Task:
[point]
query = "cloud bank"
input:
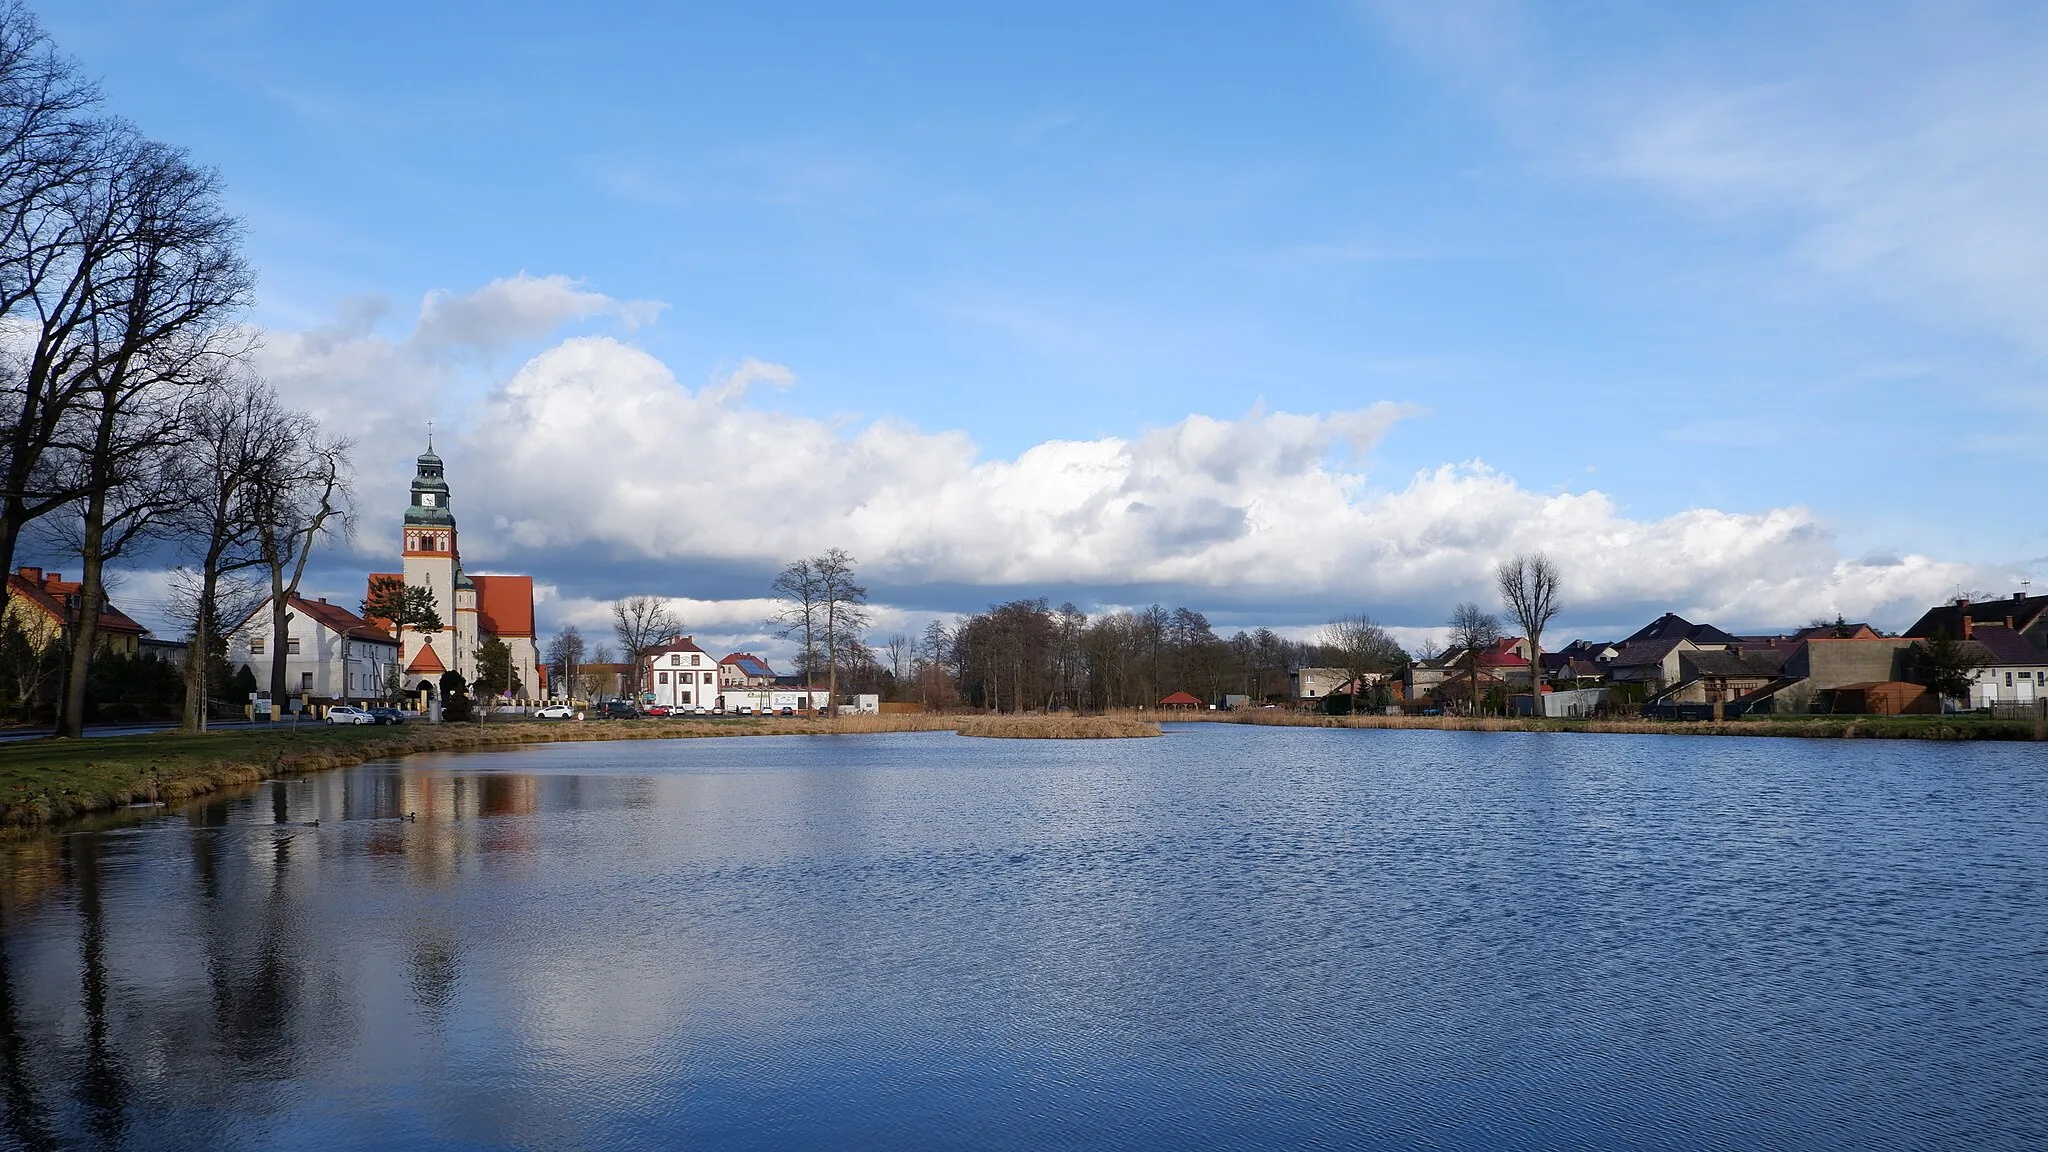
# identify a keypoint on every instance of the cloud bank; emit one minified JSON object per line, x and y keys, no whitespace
{"x":593,"y":466}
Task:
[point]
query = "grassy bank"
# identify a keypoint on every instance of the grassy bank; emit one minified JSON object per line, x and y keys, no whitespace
{"x":44,"y":781}
{"x":1805,"y":727}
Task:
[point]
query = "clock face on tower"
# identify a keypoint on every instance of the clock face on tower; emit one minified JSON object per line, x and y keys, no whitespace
{"x":427,"y":499}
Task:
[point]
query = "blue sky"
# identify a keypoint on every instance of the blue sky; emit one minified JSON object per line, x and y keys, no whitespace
{"x":1734,"y":259}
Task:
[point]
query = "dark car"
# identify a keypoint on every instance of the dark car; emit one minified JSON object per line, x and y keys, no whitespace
{"x":388,"y":715}
{"x":619,"y":710}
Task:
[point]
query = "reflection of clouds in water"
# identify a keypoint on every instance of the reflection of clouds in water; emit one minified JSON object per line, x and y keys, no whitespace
{"x":924,"y":938}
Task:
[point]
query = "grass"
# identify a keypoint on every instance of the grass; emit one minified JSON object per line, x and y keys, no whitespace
{"x":1807,"y":727}
{"x":45,"y":781}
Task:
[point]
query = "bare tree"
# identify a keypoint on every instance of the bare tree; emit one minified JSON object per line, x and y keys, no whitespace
{"x":1429,"y":649}
{"x":1528,"y":586}
{"x":53,"y":233}
{"x":799,"y":615}
{"x":565,"y":653}
{"x":898,"y":647}
{"x":238,"y":438}
{"x":307,"y":498}
{"x":1473,"y":630}
{"x":1362,"y":647}
{"x":642,"y":624}
{"x":843,"y":604}
{"x":166,"y":284}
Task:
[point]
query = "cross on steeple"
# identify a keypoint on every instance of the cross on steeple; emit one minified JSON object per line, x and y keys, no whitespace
{"x":430,"y":435}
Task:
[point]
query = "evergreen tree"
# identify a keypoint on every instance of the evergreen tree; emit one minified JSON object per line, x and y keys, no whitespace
{"x":455,"y":704}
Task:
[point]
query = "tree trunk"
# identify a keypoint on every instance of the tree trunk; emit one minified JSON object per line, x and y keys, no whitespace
{"x":85,"y":630}
{"x":196,"y":687}
{"x":1535,"y":675}
{"x":831,"y":661}
{"x":280,"y":634}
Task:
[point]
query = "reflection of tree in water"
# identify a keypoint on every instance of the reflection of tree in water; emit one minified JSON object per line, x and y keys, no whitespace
{"x":434,"y":968}
{"x":28,"y":1119}
{"x":104,"y":1087}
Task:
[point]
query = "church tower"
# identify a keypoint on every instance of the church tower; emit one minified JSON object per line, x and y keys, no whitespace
{"x":433,"y":560}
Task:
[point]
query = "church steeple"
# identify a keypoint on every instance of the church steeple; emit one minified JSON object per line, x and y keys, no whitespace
{"x":429,"y":492}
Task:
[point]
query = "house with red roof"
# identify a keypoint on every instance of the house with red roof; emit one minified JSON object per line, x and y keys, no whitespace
{"x":680,"y":675}
{"x":744,"y":670}
{"x":45,"y":606}
{"x":330,"y":653}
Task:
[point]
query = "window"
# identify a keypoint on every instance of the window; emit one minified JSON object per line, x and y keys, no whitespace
{"x":305,"y":681}
{"x":707,"y":677}
{"x":2008,"y":679}
{"x":256,"y":645}
{"x":674,"y":660}
{"x":696,"y":660}
{"x":291,"y":647}
{"x":661,"y":677}
{"x":685,"y":698}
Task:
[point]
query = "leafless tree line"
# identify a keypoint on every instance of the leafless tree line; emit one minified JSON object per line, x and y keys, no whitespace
{"x":129,"y":416}
{"x":1027,"y":655}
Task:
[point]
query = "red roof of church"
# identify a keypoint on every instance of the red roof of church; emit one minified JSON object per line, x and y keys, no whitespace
{"x":504,"y":604}
{"x":426,"y":661}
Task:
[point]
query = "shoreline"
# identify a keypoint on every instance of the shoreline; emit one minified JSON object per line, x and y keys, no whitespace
{"x":1947,"y":728}
{"x":47,"y":782}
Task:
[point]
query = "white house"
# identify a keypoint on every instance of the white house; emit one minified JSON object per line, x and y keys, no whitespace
{"x":680,"y":675}
{"x":331,"y":653}
{"x":2014,"y":670}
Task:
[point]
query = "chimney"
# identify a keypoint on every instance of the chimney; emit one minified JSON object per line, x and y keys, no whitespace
{"x":2008,"y":622}
{"x":323,"y":599}
{"x":2019,"y":595}
{"x":32,"y":575}
{"x":56,"y":577}
{"x":1969,"y":628}
{"x":1963,"y":602}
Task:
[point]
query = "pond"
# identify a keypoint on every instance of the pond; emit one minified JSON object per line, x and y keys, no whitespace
{"x":1230,"y":937}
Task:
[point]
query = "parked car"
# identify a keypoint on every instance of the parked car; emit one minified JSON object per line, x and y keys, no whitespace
{"x":659,"y":710}
{"x":384,"y":715}
{"x":349,"y":714}
{"x":556,"y":712}
{"x":619,"y":710}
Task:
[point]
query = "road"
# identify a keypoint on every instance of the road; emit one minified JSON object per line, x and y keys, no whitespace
{"x":14,"y":734}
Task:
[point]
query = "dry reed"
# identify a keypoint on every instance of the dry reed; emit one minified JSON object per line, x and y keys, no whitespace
{"x":1061,"y":727}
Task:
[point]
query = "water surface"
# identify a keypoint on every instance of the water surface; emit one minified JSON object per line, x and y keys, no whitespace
{"x":1227,"y":938}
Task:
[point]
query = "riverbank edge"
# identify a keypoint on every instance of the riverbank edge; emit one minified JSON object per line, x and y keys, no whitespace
{"x":1947,"y":728}
{"x":48,"y":782}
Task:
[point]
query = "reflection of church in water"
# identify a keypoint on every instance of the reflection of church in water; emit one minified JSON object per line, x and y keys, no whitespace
{"x":472,"y":608}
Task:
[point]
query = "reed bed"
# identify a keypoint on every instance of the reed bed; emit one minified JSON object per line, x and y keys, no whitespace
{"x":1060,"y":727}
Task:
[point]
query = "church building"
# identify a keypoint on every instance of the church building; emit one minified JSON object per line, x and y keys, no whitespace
{"x":472,"y":608}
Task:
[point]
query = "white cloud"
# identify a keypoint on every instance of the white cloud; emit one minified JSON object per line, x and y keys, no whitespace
{"x":593,"y":456}
{"x":1272,"y":503}
{"x":517,"y":308}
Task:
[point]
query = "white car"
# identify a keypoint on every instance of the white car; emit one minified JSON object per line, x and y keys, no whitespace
{"x":349,"y":714}
{"x":556,"y":712}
